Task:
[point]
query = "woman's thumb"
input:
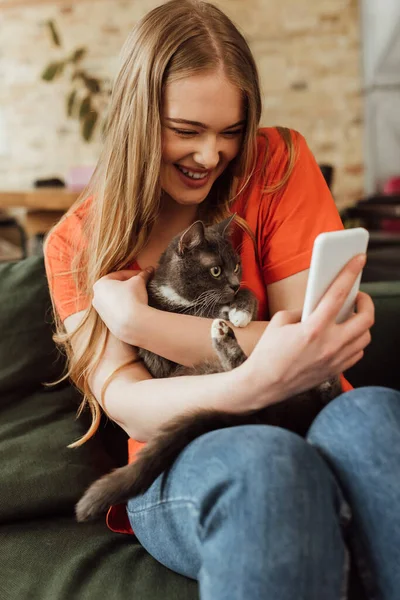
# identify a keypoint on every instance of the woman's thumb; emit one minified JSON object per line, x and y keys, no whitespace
{"x":147,"y":273}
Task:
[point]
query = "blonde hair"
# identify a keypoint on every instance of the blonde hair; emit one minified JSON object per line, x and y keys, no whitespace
{"x":178,"y":39}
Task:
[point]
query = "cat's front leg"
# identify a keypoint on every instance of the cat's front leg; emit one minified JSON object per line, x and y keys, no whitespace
{"x":243,"y":309}
{"x":226,"y":345}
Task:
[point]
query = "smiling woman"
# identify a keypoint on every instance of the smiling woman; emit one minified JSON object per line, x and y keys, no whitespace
{"x":184,"y":143}
{"x":197,"y":152}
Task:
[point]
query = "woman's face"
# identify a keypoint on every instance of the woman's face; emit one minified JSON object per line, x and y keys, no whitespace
{"x":202,"y":129}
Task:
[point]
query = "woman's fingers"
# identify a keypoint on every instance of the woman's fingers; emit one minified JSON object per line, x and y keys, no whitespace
{"x":351,"y":361}
{"x":145,"y":275}
{"x":126,"y":274}
{"x":365,"y":305}
{"x":360,"y":321}
{"x":356,"y":346}
{"x":334,"y":298}
{"x":122,"y":275}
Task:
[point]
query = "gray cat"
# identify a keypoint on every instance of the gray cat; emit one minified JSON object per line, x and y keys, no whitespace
{"x":199,"y":274}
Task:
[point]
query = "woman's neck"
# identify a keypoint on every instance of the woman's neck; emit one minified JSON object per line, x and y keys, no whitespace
{"x":173,"y":217}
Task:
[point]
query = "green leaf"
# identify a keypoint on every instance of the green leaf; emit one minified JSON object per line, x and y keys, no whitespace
{"x":70,"y":102}
{"x":85,"y":107}
{"x":60,"y":70}
{"x":52,"y":70}
{"x":54,"y":33}
{"x":88,"y":125}
{"x":78,"y":55}
{"x":92,"y":84}
{"x":77,"y":75}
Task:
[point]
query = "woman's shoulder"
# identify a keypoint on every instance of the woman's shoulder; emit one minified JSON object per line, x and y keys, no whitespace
{"x":70,"y":226}
{"x":279,"y":150}
{"x":277,"y":141}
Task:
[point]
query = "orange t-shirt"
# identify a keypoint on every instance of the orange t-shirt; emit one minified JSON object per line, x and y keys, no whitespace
{"x":285,"y":224}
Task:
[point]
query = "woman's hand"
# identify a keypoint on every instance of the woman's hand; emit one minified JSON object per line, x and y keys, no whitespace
{"x":293,"y":356}
{"x":119,"y":298}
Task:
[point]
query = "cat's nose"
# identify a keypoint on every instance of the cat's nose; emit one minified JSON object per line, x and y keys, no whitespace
{"x":234,"y":287}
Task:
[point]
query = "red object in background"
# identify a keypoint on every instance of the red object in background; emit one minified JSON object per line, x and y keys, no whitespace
{"x":391,"y":225}
{"x":392,"y":186}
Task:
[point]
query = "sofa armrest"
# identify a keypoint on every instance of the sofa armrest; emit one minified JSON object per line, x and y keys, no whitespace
{"x":381,"y":362}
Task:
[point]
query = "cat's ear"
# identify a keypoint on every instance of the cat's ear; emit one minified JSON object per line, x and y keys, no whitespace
{"x":192,"y":237}
{"x":224,"y":226}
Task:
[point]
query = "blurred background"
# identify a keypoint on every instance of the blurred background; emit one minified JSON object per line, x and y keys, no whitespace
{"x":329,"y":68}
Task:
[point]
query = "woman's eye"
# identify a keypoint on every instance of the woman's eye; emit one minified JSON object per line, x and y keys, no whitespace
{"x":237,"y":268}
{"x":215,"y":271}
{"x":233,"y":133}
{"x":189,"y":132}
{"x":184,"y":132}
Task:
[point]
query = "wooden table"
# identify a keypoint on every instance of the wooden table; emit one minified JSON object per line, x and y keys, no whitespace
{"x":39,"y":199}
{"x":44,"y":206}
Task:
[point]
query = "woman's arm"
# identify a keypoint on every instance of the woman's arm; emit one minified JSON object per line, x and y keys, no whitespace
{"x":187,"y":340}
{"x":290,"y":357}
{"x":183,"y":339}
{"x":288,"y":293}
{"x":141,"y":404}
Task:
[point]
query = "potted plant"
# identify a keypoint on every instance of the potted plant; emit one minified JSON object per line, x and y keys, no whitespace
{"x":88,"y":97}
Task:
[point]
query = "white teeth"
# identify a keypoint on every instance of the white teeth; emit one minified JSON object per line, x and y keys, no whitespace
{"x":191,"y":174}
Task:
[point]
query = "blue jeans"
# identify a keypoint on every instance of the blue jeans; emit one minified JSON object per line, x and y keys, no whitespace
{"x":256,"y":512}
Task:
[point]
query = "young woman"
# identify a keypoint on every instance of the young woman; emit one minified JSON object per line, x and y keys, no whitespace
{"x":254,"y":511}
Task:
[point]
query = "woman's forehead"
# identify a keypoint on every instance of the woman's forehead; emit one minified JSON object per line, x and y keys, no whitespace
{"x":210,"y":99}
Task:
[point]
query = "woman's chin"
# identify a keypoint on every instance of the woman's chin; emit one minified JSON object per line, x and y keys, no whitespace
{"x":189,"y":199}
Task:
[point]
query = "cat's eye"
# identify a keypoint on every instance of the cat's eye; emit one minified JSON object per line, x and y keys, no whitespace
{"x":215,"y":271}
{"x":237,"y":268}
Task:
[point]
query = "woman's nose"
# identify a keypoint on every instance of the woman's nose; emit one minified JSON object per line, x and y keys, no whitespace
{"x":207,"y":154}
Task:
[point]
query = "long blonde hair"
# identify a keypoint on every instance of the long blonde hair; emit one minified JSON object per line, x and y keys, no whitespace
{"x":178,"y":39}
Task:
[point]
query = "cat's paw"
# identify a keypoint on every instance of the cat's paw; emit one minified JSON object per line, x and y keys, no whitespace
{"x":224,"y":313}
{"x":239,"y":318}
{"x":326,"y":386}
{"x":219,"y":329}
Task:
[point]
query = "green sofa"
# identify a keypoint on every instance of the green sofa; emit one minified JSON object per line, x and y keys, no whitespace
{"x":44,"y":553}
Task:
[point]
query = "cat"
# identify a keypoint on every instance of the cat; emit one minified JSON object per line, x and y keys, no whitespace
{"x":199,"y":273}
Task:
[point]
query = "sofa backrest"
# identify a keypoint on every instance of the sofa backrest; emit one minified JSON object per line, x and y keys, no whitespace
{"x":381,"y":363}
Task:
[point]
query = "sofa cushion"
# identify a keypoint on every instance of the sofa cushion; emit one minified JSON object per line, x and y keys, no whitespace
{"x":39,"y":474}
{"x":59,"y":559}
{"x":28,"y":356}
{"x":44,"y":553}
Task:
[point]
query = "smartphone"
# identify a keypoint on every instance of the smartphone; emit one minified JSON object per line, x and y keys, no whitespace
{"x":330,"y":254}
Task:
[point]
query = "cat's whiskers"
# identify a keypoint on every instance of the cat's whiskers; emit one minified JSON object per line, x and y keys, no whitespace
{"x":208,"y":304}
{"x":238,"y":249}
{"x":202,"y":301}
{"x":204,"y":296}
{"x":202,"y":306}
{"x":197,"y":303}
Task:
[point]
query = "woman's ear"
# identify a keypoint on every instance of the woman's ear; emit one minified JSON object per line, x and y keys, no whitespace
{"x":192,"y":237}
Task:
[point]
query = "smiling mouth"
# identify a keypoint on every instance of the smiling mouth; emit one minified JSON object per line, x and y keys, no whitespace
{"x":192,"y":174}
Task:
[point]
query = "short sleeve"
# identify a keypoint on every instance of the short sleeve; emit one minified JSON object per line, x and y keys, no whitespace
{"x":292,"y":218}
{"x":59,"y":251}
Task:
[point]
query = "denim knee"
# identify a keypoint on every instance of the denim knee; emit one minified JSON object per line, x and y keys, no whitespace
{"x":356,"y":428}
{"x":357,"y":417}
{"x":260,"y":456}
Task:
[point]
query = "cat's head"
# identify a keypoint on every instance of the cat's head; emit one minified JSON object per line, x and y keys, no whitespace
{"x":201,"y":264}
